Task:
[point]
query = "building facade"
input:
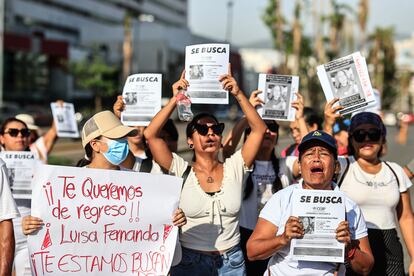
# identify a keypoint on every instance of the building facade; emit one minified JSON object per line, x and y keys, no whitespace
{"x":41,"y":37}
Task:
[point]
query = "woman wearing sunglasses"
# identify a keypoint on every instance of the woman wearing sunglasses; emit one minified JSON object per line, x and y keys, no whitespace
{"x":14,"y":136}
{"x":212,"y":191}
{"x":380,"y":189}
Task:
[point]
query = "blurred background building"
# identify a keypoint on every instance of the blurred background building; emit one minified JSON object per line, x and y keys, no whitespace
{"x":43,"y":37}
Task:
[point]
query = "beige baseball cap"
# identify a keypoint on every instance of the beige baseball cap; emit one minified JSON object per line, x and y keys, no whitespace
{"x":29,"y":120}
{"x":105,"y":123}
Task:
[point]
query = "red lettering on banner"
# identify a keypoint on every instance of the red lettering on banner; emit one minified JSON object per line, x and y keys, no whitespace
{"x":76,"y":236}
{"x":87,"y":263}
{"x":68,"y":187}
{"x":134,"y":235}
{"x":110,"y":191}
{"x":59,"y":212}
{"x":94,"y":213}
{"x":150,"y":262}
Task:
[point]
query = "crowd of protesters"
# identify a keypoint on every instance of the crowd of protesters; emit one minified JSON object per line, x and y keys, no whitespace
{"x":235,"y":205}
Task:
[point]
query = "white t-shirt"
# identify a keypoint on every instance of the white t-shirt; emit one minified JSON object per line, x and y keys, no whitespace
{"x":39,"y":149}
{"x":277,"y":211}
{"x":8,"y":209}
{"x":376,"y":194}
{"x":212,"y":221}
{"x":263,"y":176}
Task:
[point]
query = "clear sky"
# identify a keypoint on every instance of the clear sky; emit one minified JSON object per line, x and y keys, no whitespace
{"x":209,"y":18}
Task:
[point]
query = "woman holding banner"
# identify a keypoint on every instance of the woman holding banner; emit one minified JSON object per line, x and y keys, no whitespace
{"x":212,"y":191}
{"x":276,"y":226}
{"x":106,"y":147}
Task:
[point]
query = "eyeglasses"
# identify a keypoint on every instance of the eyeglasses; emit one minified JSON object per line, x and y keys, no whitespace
{"x":374,"y":135}
{"x":203,"y":129}
{"x":13,"y":132}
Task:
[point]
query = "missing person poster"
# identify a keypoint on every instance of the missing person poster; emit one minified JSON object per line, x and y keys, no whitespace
{"x":320,"y":212}
{"x":347,"y":78}
{"x":204,"y":64}
{"x":20,"y":166}
{"x":142,"y":97}
{"x":103,"y":222}
{"x":64,"y":119}
{"x":278,"y":92}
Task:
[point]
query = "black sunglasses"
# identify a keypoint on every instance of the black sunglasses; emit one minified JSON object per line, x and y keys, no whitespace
{"x":374,"y":135}
{"x":272,"y":127}
{"x":13,"y":132}
{"x":203,"y":129}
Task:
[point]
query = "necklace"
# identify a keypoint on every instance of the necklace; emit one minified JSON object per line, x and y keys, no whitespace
{"x":370,"y":180}
{"x":210,"y":179}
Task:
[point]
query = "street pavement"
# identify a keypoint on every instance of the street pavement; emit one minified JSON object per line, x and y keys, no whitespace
{"x":72,"y":150}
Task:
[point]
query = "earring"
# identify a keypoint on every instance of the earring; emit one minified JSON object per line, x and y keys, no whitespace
{"x":191,"y":146}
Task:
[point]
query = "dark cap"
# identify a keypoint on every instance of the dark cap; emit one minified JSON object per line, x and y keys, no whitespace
{"x":367,"y":118}
{"x":321,"y":137}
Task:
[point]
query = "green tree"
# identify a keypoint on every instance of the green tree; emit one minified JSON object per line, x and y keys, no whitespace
{"x":95,"y":75}
{"x":382,"y":58}
{"x":336,"y":22}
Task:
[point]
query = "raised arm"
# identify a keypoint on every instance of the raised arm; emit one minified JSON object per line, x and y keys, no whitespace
{"x":6,"y":247}
{"x":233,"y":137}
{"x":50,"y":137}
{"x":299,"y":105}
{"x":258,"y":127}
{"x":330,"y":114}
{"x":159,"y":149}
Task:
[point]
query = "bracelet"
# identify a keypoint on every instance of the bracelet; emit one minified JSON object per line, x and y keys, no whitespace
{"x":351,"y":253}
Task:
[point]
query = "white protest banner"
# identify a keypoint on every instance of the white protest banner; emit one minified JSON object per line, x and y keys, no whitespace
{"x":103,"y":222}
{"x":204,"y":64}
{"x":347,"y":78}
{"x":64,"y":118}
{"x":320,"y":212}
{"x":20,"y":166}
{"x":278,"y":92}
{"x":142,"y":97}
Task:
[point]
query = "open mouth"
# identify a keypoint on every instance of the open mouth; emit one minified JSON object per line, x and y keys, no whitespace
{"x":316,"y":170}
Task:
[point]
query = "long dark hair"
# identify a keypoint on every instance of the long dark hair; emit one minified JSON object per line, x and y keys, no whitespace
{"x":277,"y":183}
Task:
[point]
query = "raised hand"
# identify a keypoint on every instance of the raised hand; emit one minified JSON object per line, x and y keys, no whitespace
{"x":254,"y":98}
{"x":119,"y":106}
{"x":299,"y":105}
{"x":229,"y":83}
{"x":180,"y":85}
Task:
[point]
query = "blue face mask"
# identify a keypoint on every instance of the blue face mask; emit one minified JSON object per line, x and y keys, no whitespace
{"x":117,"y":151}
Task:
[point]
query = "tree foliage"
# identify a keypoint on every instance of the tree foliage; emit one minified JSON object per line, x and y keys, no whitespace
{"x":95,"y":75}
